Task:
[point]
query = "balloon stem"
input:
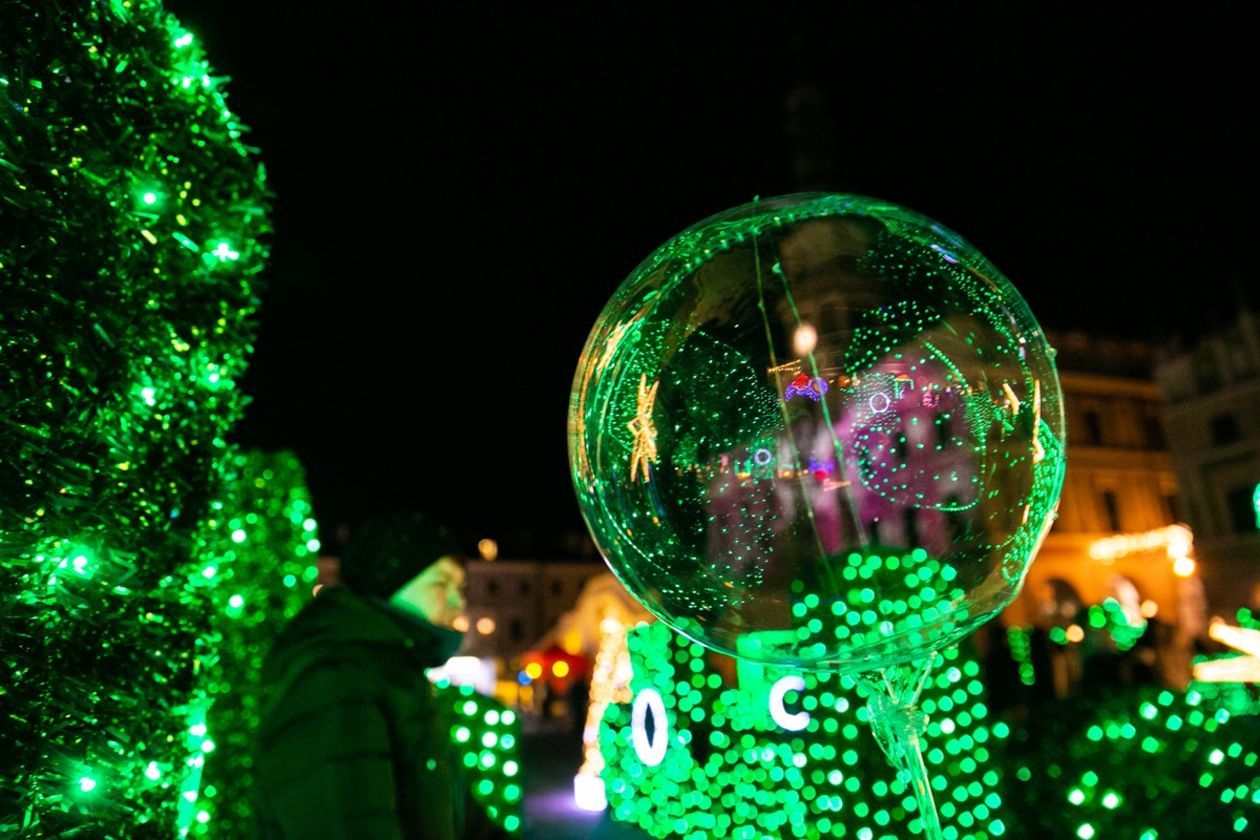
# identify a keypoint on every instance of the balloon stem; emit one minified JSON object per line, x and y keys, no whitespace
{"x":892,"y":694}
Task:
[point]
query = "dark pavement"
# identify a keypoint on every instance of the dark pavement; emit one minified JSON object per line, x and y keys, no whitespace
{"x":551,"y":754}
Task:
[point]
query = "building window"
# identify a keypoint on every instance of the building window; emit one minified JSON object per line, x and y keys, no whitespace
{"x":955,"y":520}
{"x":1173,"y":506}
{"x":910,"y":524}
{"x":517,"y":629}
{"x":1111,"y":510}
{"x":1242,"y":509}
{"x":1155,"y":433}
{"x":1224,"y":429}
{"x":1092,"y":428}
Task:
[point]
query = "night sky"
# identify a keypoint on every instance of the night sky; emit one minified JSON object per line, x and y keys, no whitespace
{"x":460,"y":187}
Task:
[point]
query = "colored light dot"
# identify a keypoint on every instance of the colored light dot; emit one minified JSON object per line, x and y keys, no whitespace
{"x":203,"y":817}
{"x":87,"y":784}
{"x":462,"y":734}
{"x":236,"y":602}
{"x":492,"y":717}
{"x":238,"y":536}
{"x":1110,"y":800}
{"x":1085,"y":832}
{"x":197,"y":730}
{"x":510,"y":768}
{"x":489,"y":739}
{"x":152,"y":772}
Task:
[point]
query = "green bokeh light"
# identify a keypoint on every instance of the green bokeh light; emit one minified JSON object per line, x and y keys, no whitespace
{"x":772,"y":782}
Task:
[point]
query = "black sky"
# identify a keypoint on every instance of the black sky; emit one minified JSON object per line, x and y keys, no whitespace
{"x":460,"y":187}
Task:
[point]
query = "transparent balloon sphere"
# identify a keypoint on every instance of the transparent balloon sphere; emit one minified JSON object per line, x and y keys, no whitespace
{"x":818,"y":431}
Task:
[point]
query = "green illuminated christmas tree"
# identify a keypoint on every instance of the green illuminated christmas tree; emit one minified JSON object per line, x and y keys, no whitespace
{"x":129,"y":248}
{"x":1138,"y":761}
{"x":1147,"y":763}
{"x":784,"y":753}
{"x":258,"y":549}
{"x":486,"y":737}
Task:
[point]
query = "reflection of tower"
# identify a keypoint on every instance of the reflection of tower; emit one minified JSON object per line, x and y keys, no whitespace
{"x":811,"y":134}
{"x":811,"y":128}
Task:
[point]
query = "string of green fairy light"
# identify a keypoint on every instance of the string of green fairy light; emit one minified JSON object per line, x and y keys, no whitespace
{"x":1142,"y":762}
{"x":146,"y":564}
{"x":1151,"y":763}
{"x":257,"y":551}
{"x":486,"y":735}
{"x":729,"y":770}
{"x":134,"y":224}
{"x":258,"y":548}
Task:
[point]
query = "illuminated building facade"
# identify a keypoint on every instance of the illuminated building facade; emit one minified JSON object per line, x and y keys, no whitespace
{"x":1212,"y":394}
{"x":1120,"y":481}
{"x":512,"y":604}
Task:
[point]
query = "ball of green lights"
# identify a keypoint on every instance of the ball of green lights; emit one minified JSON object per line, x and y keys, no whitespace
{"x":818,"y":430}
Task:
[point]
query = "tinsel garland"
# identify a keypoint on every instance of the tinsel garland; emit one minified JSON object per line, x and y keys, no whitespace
{"x":258,"y":549}
{"x":130,"y":218}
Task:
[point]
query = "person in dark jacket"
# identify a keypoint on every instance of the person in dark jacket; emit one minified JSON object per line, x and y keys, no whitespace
{"x":351,"y":742}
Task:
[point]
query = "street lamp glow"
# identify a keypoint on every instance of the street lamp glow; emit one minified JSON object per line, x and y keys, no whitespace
{"x":804,"y":339}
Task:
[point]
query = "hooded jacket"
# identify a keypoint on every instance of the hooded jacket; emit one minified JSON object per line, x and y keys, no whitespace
{"x":351,"y":743}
